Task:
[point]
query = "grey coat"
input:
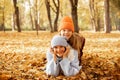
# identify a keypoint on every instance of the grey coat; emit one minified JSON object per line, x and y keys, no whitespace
{"x":69,"y":65}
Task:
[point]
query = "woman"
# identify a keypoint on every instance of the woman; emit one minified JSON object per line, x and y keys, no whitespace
{"x":77,"y":41}
{"x":62,"y":58}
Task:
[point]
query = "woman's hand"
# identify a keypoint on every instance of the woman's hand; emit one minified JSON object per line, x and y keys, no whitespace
{"x":66,"y":52}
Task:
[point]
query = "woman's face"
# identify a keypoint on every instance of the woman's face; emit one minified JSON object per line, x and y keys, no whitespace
{"x":67,"y":33}
{"x":59,"y":50}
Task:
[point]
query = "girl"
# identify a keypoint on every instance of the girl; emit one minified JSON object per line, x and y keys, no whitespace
{"x":77,"y":41}
{"x":61,"y":58}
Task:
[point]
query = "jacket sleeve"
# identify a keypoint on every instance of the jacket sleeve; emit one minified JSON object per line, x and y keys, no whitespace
{"x":69,"y":67}
{"x":52,"y":67}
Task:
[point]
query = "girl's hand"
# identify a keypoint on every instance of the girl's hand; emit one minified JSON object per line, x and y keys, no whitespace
{"x":51,"y":50}
{"x":54,"y":54}
{"x":66,"y":52}
{"x":55,"y":57}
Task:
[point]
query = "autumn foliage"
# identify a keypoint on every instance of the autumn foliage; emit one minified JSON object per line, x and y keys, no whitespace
{"x":22,"y":56}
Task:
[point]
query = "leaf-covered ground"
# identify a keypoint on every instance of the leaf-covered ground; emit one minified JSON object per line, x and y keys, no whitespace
{"x":22,"y":56}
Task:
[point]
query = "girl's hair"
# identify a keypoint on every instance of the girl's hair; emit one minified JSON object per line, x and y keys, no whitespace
{"x":77,"y":42}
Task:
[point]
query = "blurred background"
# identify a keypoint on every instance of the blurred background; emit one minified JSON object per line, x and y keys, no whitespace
{"x":29,"y":15}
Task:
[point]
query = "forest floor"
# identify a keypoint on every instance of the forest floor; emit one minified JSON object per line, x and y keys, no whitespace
{"x":22,"y":56}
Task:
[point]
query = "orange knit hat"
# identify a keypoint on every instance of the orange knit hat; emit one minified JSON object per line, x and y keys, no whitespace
{"x":66,"y":23}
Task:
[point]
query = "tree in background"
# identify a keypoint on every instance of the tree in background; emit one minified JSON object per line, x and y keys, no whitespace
{"x":36,"y":15}
{"x":2,"y":8}
{"x":31,"y":17}
{"x":95,"y":14}
{"x":115,"y":14}
{"x":116,"y":3}
{"x":92,"y":13}
{"x":17,"y":15}
{"x":47,"y":3}
{"x":57,"y":7}
{"x":107,"y":26}
{"x":36,"y":11}
{"x":74,"y":4}
{"x":56,"y":4}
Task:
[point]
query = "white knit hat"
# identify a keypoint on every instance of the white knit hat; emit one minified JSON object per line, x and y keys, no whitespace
{"x":58,"y":40}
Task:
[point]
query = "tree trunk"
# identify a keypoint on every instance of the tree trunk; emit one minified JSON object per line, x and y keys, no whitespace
{"x":74,"y":14}
{"x":31,"y":17}
{"x":36,"y":17}
{"x":36,"y":26}
{"x":47,"y":3}
{"x":3,"y":24}
{"x":107,"y":17}
{"x":118,"y":26}
{"x":14,"y":22}
{"x":57,"y":6}
{"x":92,"y":12}
{"x":94,"y":15}
{"x":98,"y":24}
{"x":17,"y":15}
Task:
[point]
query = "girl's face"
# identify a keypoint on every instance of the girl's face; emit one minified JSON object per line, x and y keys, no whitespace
{"x":67,"y":33}
{"x":59,"y":50}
